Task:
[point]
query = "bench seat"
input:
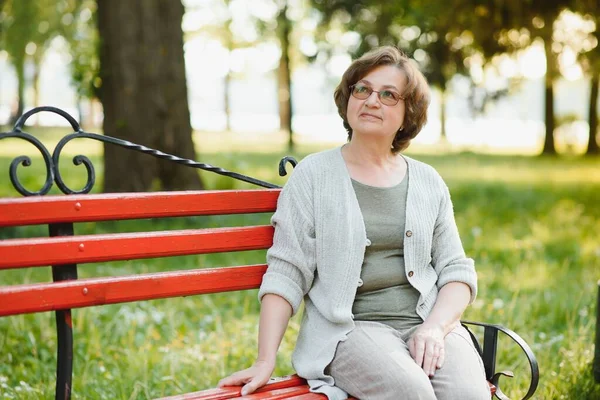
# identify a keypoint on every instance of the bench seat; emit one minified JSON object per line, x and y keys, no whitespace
{"x":287,"y":387}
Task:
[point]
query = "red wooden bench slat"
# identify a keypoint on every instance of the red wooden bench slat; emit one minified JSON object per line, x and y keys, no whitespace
{"x":105,"y":207}
{"x":209,"y":394}
{"x":231,"y":392}
{"x":277,"y":394}
{"x":39,"y":297}
{"x":17,"y":253}
{"x":312,"y":396}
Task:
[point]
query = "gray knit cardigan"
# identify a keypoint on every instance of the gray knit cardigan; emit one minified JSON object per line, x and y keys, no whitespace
{"x":319,"y":245}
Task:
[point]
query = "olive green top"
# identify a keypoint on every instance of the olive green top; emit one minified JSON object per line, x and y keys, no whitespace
{"x":385,"y":294}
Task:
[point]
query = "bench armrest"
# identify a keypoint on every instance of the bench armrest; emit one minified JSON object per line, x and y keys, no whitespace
{"x":490,"y":344}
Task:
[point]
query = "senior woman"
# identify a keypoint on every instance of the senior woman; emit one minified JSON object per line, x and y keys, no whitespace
{"x":367,"y":237}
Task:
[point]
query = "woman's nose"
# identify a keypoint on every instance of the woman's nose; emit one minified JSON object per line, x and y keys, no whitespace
{"x":373,"y":100}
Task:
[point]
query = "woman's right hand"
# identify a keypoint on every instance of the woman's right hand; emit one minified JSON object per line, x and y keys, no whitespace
{"x":275,"y":312}
{"x":252,"y":378}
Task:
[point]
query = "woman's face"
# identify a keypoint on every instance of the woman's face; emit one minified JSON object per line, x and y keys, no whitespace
{"x":371,"y":116}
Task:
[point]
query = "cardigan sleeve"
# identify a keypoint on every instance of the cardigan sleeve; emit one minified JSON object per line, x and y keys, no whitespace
{"x":447,"y":253}
{"x":291,"y":259}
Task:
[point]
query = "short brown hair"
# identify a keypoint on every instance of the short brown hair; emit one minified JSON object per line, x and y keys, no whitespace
{"x":416,"y":93}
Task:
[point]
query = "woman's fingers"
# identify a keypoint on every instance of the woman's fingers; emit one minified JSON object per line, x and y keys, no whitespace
{"x":259,"y":379}
{"x":429,"y":359}
{"x":419,"y":355}
{"x":427,"y":352}
{"x":426,"y":346}
{"x":252,"y":378}
{"x":442,"y":358}
{"x":436,"y":353}
{"x":236,"y":379}
{"x":255,"y":383}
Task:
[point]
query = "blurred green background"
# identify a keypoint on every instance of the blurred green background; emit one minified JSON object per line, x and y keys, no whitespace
{"x":240,"y":83}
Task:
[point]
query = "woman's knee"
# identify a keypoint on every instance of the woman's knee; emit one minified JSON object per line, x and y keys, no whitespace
{"x":374,"y":363}
{"x":387,"y":377}
{"x":387,"y":385}
{"x":413,"y":386}
{"x":463,"y":375}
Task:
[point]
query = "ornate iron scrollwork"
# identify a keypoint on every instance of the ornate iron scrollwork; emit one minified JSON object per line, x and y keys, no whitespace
{"x":52,"y":161}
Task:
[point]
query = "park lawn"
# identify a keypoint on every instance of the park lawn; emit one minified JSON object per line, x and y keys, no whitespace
{"x":531,"y":224}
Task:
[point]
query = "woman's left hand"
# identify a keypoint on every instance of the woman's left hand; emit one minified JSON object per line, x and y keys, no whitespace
{"x":426,"y":346}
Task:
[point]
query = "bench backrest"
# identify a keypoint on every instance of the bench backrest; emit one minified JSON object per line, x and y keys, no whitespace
{"x":63,"y":250}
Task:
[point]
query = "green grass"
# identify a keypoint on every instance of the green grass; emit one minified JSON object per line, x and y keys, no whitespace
{"x":531,"y":224}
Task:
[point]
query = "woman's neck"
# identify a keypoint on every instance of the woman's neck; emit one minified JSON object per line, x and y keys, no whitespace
{"x":370,"y":153}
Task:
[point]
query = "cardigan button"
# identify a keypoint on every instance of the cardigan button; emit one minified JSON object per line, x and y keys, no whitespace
{"x":368,"y":242}
{"x":410,"y":274}
{"x":408,"y":233}
{"x":360,"y":282}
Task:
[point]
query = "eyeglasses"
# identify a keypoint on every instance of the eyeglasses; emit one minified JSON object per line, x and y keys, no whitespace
{"x":387,"y":97}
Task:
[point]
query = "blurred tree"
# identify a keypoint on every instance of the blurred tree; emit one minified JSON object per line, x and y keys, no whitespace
{"x":144,"y":93}
{"x":437,"y":39}
{"x":538,"y":17}
{"x":440,"y":41}
{"x":16,"y":31}
{"x":220,"y":27}
{"x":82,"y":36}
{"x":27,"y":28}
{"x":284,"y":80}
{"x":589,"y":52}
{"x":239,"y":24}
{"x":516,"y":24}
{"x":52,"y":16}
{"x":284,"y":24}
{"x":593,"y":61}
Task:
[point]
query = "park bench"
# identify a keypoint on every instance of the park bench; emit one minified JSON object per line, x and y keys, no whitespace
{"x":63,"y":251}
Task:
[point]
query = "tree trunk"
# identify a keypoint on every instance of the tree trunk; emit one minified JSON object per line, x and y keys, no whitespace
{"x":593,"y":148}
{"x":284,"y":81}
{"x":226,"y":88}
{"x":549,"y":98}
{"x":596,"y":362}
{"x":36,"y":85}
{"x":80,"y":112}
{"x":93,"y":103}
{"x":144,"y":94}
{"x":20,"y":70}
{"x":443,"y":137}
{"x":227,"y":77}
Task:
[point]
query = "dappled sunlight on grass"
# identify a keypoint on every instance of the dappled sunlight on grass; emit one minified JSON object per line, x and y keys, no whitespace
{"x":538,"y":259}
{"x":520,"y":170}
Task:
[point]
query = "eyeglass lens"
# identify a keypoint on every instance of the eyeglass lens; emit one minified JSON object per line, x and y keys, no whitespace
{"x":387,"y":97}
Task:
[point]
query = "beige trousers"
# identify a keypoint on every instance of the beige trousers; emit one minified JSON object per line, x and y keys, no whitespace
{"x":374,"y":363}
